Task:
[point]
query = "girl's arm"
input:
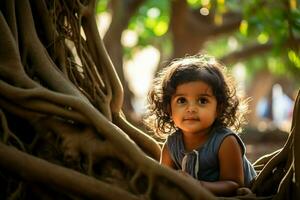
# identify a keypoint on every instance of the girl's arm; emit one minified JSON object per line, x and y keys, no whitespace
{"x":231,"y":169}
{"x":165,"y":157}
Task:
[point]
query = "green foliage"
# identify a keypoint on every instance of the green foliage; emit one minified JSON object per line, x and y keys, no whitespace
{"x":272,"y":21}
{"x":218,"y":47}
{"x":294,"y":58}
{"x":101,"y":6}
{"x":263,"y":21}
{"x":151,"y":21}
{"x":275,"y":20}
{"x":196,"y":3}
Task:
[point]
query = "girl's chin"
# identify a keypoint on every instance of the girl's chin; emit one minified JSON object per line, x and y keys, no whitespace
{"x":191,"y":130}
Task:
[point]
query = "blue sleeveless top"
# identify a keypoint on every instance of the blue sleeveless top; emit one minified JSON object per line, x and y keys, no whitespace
{"x":203,"y":163}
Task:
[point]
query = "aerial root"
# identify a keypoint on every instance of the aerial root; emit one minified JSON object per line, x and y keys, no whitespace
{"x":17,"y":193}
{"x":283,"y":189}
{"x":7,"y":133}
{"x":262,"y":161}
{"x":33,"y":169}
{"x":149,"y":184}
{"x":134,"y":179}
{"x":41,"y":100}
{"x":273,"y":163}
{"x":151,"y":180}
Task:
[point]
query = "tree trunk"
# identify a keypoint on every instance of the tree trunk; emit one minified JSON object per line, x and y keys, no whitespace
{"x":190,"y":30}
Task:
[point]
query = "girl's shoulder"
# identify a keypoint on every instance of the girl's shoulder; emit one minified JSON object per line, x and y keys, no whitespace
{"x":174,"y":134}
{"x":217,"y":134}
{"x":221,"y":130}
{"x":174,"y":139}
{"x":220,"y":133}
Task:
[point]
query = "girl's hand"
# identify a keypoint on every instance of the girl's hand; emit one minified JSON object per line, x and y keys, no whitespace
{"x":188,"y":175}
{"x":185,"y":174}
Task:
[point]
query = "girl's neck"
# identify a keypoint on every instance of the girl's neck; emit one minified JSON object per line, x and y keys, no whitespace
{"x":194,"y":141}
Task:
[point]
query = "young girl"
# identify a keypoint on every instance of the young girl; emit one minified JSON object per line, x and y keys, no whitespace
{"x":194,"y":101}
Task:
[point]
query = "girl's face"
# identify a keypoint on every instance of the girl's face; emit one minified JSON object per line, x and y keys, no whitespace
{"x":194,"y":107}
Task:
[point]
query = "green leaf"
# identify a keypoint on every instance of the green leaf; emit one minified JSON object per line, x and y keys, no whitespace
{"x":161,"y":28}
{"x":244,"y":27}
{"x":294,"y":58}
{"x":263,"y":38}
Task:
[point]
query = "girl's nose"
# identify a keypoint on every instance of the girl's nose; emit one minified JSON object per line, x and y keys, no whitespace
{"x":191,"y":107}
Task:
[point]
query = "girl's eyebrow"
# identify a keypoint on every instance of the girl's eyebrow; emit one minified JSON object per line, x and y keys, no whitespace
{"x":206,"y":94}
{"x":201,"y":94}
{"x":177,"y":95}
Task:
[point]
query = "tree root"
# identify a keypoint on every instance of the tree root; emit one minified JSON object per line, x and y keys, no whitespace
{"x":37,"y":170}
{"x":277,"y":174}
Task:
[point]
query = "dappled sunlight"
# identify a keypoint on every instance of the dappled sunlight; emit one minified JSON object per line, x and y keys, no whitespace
{"x":129,"y":38}
{"x":139,"y":72}
{"x":103,"y":22}
{"x":239,"y":74}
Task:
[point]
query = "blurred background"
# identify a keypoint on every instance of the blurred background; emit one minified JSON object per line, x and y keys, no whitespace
{"x":257,"y":40}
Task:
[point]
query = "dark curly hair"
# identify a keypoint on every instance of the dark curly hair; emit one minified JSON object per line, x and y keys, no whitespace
{"x":230,"y":107}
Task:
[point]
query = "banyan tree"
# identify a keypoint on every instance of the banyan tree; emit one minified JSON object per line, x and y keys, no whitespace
{"x":63,"y":134}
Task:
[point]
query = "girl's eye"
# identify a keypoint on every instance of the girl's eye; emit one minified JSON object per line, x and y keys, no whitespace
{"x":181,"y":100}
{"x":203,"y":101}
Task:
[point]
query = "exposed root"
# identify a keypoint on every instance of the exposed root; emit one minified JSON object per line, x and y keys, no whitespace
{"x":37,"y":170}
{"x":8,"y":135}
{"x":277,"y":174}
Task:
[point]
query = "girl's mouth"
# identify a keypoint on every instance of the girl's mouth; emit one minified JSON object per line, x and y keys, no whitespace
{"x":191,"y":119}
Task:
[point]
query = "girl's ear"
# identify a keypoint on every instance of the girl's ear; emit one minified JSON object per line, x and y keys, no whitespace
{"x":219,"y":110}
{"x":169,"y":110}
